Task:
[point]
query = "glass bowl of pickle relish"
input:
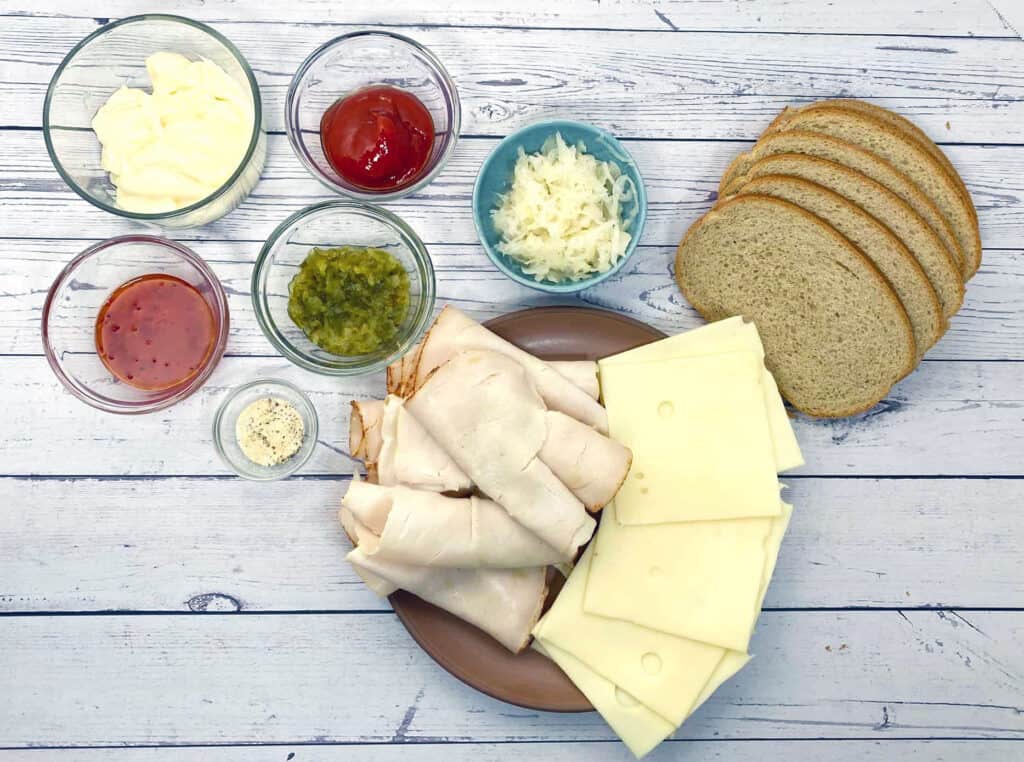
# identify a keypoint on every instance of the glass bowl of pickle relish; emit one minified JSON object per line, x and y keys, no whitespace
{"x":343,"y":288}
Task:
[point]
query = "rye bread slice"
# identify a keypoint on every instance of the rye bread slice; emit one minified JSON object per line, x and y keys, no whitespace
{"x":904,"y":153}
{"x":835,"y":335}
{"x":865,"y":162}
{"x":897,"y":122}
{"x":875,"y":241}
{"x":885,"y":206}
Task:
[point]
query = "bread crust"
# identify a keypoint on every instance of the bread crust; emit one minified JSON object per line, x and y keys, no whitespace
{"x":952,"y":271}
{"x":869,"y":267}
{"x":921,"y":285}
{"x":946,"y":176}
{"x":764,"y":150}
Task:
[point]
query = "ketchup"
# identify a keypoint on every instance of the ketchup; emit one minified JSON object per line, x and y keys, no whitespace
{"x":378,"y":138}
{"x":155,"y":332}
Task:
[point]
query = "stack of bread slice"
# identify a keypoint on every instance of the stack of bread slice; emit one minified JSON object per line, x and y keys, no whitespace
{"x":847,"y":236}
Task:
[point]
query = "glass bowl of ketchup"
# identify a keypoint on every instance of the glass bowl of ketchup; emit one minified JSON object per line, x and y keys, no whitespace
{"x":135,"y":324}
{"x":373,"y":115}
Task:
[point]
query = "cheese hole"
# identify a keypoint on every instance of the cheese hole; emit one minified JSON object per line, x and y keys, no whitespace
{"x":666,"y":409}
{"x":651,"y":663}
{"x":638,"y":475}
{"x":656,"y":571}
{"x":624,"y":698}
{"x":644,"y":490}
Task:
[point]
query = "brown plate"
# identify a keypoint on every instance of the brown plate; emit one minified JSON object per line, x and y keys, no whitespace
{"x":527,"y":679}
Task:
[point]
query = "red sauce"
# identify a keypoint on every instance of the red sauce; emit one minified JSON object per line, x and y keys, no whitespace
{"x":155,"y":332}
{"x":378,"y":138}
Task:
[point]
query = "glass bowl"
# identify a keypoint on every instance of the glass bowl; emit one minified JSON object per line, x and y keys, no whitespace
{"x":226,"y":441}
{"x":115,"y":55}
{"x":73,"y":304}
{"x":339,"y":223}
{"x":354,"y":61}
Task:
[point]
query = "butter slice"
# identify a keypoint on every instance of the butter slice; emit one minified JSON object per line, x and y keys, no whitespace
{"x":701,"y":580}
{"x":640,"y":728}
{"x":730,"y":335}
{"x":698,"y":429}
{"x":664,"y":672}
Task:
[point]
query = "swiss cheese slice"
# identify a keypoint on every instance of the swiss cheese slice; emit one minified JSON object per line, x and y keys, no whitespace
{"x":698,"y":429}
{"x":664,"y":672}
{"x":701,"y":580}
{"x":731,"y":663}
{"x":639,"y":727}
{"x":730,"y":335}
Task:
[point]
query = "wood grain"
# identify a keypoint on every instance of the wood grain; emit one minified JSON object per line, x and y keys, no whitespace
{"x":947,"y":418}
{"x":988,"y":327}
{"x":681,"y":180}
{"x":279,"y":679}
{"x":717,"y":85}
{"x":974,"y":18}
{"x":195,"y":544}
{"x":107,"y":525}
{"x":596,"y":751}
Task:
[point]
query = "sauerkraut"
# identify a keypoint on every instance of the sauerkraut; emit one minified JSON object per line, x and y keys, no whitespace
{"x":563,"y":217}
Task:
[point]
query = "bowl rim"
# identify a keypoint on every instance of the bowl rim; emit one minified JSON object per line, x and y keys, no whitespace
{"x":294,"y":464}
{"x":292,"y":128}
{"x":254,"y":139}
{"x":174,"y":394}
{"x":408,"y":236}
{"x":499,"y":259}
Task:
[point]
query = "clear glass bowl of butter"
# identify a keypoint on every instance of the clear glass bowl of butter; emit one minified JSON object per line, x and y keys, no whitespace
{"x":180,"y":117}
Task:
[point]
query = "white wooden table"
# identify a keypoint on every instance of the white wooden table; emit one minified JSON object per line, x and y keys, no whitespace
{"x":152,"y":607}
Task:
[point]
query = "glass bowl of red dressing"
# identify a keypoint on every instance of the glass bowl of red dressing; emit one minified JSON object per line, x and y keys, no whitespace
{"x":135,"y":324}
{"x":373,"y":115}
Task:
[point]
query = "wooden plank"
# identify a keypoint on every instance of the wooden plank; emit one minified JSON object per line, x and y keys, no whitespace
{"x":988,"y":327}
{"x":598,"y":751}
{"x":216,"y":544}
{"x":717,"y":85}
{"x":681,"y":180}
{"x":359,"y":677}
{"x":947,"y":418}
{"x":920,"y":17}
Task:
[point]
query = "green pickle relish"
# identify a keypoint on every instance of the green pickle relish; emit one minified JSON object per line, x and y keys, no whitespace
{"x":348,"y":300}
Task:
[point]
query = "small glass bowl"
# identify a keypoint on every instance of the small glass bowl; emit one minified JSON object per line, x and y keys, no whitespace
{"x":354,"y":61}
{"x":73,"y":304}
{"x":115,"y":55}
{"x":238,"y":399}
{"x":339,"y":223}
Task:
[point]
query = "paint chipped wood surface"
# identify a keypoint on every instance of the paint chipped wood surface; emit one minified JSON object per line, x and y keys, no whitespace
{"x":148,"y":600}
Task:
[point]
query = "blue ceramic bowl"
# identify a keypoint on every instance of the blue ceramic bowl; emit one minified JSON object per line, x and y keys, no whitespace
{"x":496,"y":176}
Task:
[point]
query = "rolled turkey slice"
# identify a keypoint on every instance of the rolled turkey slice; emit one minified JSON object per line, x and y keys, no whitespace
{"x":582,"y":373}
{"x":454,"y":331}
{"x":504,"y":603}
{"x":398,"y":450}
{"x":364,"y":423}
{"x":590,"y":464}
{"x":482,"y":408}
{"x":361,"y":536}
{"x":428,"y":529}
{"x":401,"y":373}
{"x":410,"y":456}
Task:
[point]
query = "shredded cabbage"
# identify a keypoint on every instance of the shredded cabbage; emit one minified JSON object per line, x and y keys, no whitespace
{"x":562,"y":218}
